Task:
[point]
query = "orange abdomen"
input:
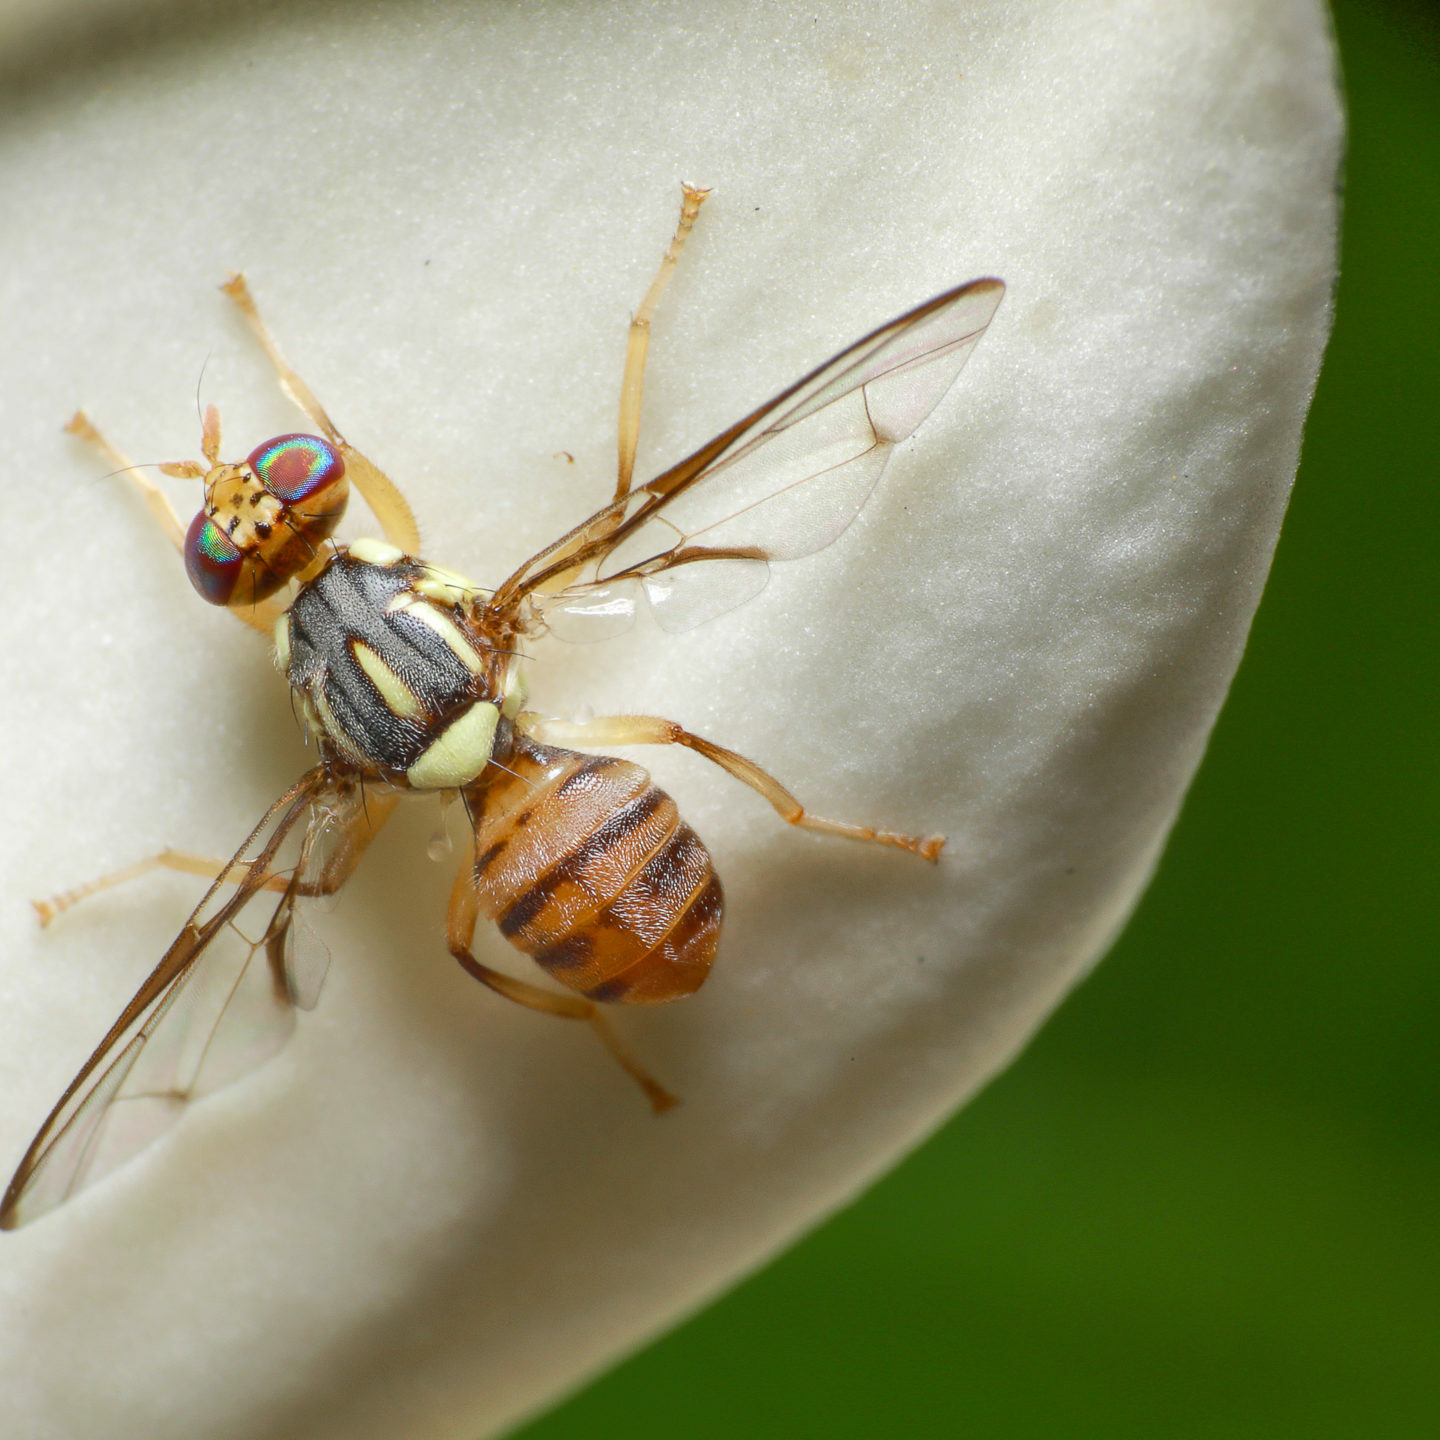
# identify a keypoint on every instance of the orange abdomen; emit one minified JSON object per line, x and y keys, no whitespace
{"x":586,"y":865}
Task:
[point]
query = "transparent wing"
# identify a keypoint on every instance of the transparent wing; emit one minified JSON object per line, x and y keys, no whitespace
{"x":779,"y":484}
{"x":220,"y":1002}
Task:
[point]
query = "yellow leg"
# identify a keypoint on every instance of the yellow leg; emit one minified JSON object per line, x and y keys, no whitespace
{"x":345,"y":856}
{"x":460,"y":932}
{"x":182,"y":860}
{"x":260,"y":616}
{"x":633,"y":385}
{"x":611,"y":730}
{"x":157,"y":502}
{"x":382,"y":495}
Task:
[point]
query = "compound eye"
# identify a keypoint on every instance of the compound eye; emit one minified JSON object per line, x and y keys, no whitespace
{"x":211,"y":560}
{"x":295,"y":467}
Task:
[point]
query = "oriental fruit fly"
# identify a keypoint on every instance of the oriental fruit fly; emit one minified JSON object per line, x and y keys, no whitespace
{"x":407,"y":677}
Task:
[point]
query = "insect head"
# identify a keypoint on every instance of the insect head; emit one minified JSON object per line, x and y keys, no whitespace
{"x":263,"y":520}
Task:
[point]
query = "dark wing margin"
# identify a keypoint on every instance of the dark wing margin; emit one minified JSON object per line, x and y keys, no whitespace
{"x":781,"y":483}
{"x":220,"y":1002}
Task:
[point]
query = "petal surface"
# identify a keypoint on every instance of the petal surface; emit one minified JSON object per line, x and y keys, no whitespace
{"x":430,"y":1214}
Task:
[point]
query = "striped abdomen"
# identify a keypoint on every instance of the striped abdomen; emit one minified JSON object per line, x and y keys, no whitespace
{"x":586,"y":865}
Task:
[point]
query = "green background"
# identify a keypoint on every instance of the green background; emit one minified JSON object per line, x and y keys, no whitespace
{"x":1203,"y":1203}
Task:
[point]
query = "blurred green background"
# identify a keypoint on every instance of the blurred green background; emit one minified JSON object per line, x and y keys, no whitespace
{"x":1204,"y":1202}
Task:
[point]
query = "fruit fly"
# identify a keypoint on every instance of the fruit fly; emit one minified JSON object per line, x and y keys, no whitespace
{"x":408,"y":680}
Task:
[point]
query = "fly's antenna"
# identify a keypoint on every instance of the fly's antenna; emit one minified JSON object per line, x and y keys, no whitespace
{"x":200,"y":380}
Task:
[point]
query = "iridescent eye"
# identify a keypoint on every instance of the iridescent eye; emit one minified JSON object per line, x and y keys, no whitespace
{"x":294,"y":467}
{"x":211,"y":560}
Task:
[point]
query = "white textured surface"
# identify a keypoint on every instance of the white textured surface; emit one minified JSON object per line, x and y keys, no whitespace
{"x":431,"y":1213}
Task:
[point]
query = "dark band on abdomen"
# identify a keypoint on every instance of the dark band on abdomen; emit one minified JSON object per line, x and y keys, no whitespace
{"x":585,"y":864}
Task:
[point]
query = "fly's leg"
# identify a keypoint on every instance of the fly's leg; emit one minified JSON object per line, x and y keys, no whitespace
{"x":263,"y":614}
{"x":611,"y":730}
{"x":382,"y":495}
{"x":182,"y":860}
{"x":157,"y":502}
{"x":638,"y":344}
{"x":377,"y":810}
{"x":460,"y":934}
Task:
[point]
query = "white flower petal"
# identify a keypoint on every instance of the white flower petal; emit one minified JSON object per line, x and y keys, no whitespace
{"x":431,"y":1214}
